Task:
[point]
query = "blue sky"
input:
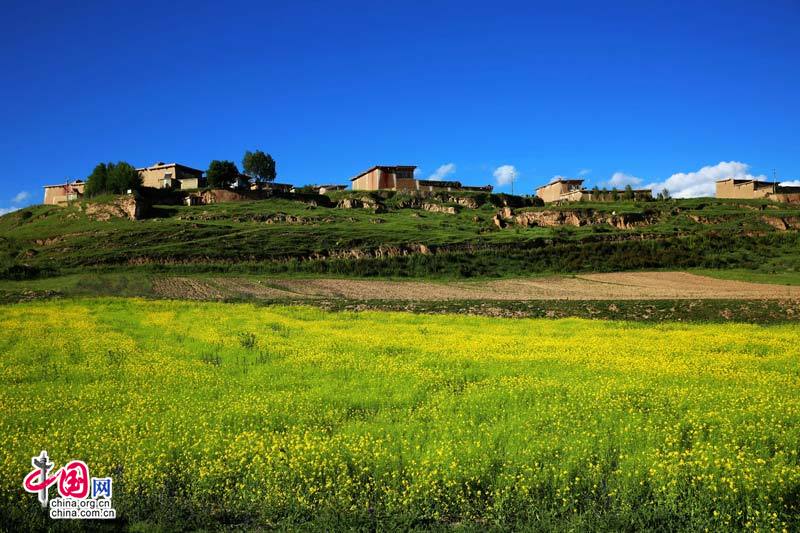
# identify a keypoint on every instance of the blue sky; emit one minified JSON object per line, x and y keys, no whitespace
{"x":640,"y":90}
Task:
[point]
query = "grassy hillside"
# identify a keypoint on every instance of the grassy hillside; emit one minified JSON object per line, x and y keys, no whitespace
{"x":229,"y":416}
{"x":395,"y":235}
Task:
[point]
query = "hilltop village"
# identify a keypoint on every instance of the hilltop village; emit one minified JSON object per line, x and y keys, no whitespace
{"x":196,"y":190}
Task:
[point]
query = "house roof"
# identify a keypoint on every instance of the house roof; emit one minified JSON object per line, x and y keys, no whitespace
{"x":740,"y":181}
{"x":560,"y":180}
{"x":384,"y":167}
{"x":74,"y":182}
{"x":439,"y":183}
{"x":161,"y":164}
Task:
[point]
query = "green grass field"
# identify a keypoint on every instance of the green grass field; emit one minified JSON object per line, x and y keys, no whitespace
{"x":301,"y":236}
{"x":231,"y":415}
{"x":755,"y":276}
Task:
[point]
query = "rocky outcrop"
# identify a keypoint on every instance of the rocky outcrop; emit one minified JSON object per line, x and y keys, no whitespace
{"x":549,"y":219}
{"x":418,"y":201}
{"x":470,"y":202}
{"x":782,"y":223}
{"x":349,"y":203}
{"x":129,"y":207}
{"x":378,"y":253}
{"x":436,"y":208}
{"x":700,"y":219}
{"x":552,"y":219}
{"x":630,"y":220}
{"x":365,"y":202}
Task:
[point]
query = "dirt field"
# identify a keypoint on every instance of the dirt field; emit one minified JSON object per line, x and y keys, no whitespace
{"x":614,"y":286}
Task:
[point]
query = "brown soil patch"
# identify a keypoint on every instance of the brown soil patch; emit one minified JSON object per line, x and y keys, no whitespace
{"x":614,"y":286}
{"x":258,"y":289}
{"x":186,"y":288}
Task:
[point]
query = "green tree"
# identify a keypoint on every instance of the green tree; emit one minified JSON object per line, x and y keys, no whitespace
{"x":122,"y":177}
{"x":96,"y":181}
{"x":221,"y":174}
{"x":112,"y":178}
{"x":629,"y":195}
{"x":614,"y":194}
{"x":595,"y":193}
{"x":664,"y":195}
{"x":259,"y":166}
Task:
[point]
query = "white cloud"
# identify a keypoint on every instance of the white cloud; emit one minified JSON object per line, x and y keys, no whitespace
{"x":702,"y":182}
{"x":417,"y":172}
{"x":443,"y":171}
{"x":584,"y":171}
{"x":505,"y":174}
{"x":620,"y":180}
{"x":793,"y":183}
{"x":7,"y":210}
{"x":20,"y":197}
{"x":558,"y":177}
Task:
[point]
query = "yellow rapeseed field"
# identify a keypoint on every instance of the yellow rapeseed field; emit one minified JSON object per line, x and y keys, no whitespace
{"x":214,"y":415}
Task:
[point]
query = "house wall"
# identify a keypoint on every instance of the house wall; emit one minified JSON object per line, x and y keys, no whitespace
{"x":380,"y":179}
{"x":552,"y":192}
{"x":743,"y":191}
{"x":368,"y":182}
{"x":407,"y":184}
{"x":190,"y":183}
{"x":58,"y":195}
{"x":785,"y":198}
{"x":728,"y":189}
{"x":433,"y":188}
{"x":575,"y":196}
{"x":762,"y":190}
{"x":153,"y":177}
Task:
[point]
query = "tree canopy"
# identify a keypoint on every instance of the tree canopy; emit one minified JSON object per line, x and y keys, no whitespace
{"x":112,"y":178}
{"x":221,"y":174}
{"x":259,"y":166}
{"x":629,"y":194}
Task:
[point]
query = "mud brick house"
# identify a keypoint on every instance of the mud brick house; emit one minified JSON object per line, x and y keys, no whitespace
{"x":63,"y":193}
{"x":171,"y":176}
{"x":565,"y":190}
{"x":401,"y":178}
{"x":561,"y":190}
{"x":395,"y":178}
{"x":744,"y":189}
{"x":754,"y":189}
{"x":271,"y":186}
{"x":322,"y":189}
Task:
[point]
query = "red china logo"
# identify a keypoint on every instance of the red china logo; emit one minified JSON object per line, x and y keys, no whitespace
{"x":74,"y":484}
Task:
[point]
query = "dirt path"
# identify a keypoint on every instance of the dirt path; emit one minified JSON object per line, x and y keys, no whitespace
{"x":614,"y":286}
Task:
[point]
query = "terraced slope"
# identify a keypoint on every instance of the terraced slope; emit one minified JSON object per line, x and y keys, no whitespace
{"x":391,"y":235}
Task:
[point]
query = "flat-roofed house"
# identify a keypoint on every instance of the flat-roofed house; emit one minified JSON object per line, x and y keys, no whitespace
{"x":242,"y":181}
{"x":64,"y":192}
{"x":438,"y":185}
{"x":192,"y":183}
{"x":401,"y":178}
{"x":395,"y":178}
{"x":562,"y":190}
{"x":271,"y":186}
{"x":567,"y":190}
{"x":171,"y":176}
{"x":322,"y":189}
{"x":745,"y":189}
